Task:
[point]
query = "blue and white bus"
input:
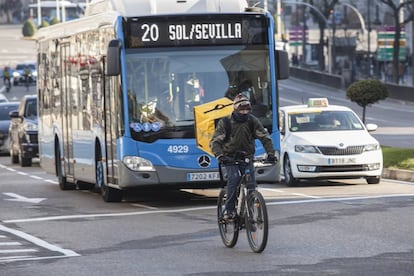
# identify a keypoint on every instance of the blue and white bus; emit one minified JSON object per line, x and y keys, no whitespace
{"x":117,"y":89}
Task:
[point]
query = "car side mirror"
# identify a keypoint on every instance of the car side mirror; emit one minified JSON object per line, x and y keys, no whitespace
{"x":371,"y":127}
{"x":14,"y":114}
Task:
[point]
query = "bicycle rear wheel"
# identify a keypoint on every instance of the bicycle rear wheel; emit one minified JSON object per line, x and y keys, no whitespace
{"x":257,"y":223}
{"x":229,"y":230}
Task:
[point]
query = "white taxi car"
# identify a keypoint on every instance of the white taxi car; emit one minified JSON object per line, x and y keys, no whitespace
{"x":322,"y":141}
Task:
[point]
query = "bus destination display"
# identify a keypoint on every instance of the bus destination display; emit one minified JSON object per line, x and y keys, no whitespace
{"x":195,"y":31}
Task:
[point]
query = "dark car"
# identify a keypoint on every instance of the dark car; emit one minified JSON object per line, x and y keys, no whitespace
{"x":5,"y":109}
{"x":23,"y":132}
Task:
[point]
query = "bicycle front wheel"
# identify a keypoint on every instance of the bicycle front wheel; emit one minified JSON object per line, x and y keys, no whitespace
{"x":257,"y":223}
{"x":229,"y":230}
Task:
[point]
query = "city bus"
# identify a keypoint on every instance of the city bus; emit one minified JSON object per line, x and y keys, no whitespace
{"x":117,"y":90}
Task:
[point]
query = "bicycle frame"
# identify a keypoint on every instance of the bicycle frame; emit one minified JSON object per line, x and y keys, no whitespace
{"x":250,"y":209}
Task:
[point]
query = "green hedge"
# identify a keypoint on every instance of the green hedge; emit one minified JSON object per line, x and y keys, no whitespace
{"x":29,"y":29}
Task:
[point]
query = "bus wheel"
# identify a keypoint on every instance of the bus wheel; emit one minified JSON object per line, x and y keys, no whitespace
{"x":109,"y":194}
{"x":63,"y":184}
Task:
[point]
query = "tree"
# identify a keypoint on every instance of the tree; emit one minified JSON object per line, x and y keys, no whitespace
{"x":29,"y":28}
{"x":366,"y":92}
{"x":407,"y":7}
{"x":10,"y":7}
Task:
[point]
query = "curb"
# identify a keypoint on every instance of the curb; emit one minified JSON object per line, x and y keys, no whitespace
{"x":402,"y":175}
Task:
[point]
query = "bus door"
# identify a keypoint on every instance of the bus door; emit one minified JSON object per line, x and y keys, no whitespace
{"x":112,"y":114}
{"x":67,"y":110}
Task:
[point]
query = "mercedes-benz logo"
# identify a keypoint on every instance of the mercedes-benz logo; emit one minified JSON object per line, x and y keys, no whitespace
{"x":204,"y":161}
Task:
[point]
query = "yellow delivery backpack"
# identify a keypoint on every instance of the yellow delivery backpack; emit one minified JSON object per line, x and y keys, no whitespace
{"x":206,"y":117}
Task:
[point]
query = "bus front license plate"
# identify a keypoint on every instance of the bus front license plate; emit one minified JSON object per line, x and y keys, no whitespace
{"x":203,"y":176}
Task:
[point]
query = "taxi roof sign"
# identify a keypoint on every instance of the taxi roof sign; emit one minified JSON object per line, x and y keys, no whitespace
{"x":318,"y":102}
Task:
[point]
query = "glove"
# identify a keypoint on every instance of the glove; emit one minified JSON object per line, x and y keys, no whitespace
{"x":223,"y":159}
{"x":271,"y":158}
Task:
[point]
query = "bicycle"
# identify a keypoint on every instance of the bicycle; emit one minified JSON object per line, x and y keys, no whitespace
{"x":27,"y":82}
{"x":7,"y":83}
{"x":251,"y":211}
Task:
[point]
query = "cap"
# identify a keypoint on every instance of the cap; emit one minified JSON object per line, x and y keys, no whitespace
{"x":241,"y":103}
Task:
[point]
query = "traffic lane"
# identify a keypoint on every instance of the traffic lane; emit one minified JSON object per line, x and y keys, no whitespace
{"x":34,"y":183}
{"x":386,"y":113}
{"x":15,"y":48}
{"x":306,"y":237}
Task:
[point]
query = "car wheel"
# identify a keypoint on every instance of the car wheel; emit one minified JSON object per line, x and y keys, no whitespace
{"x":14,"y":157}
{"x":25,"y":162}
{"x":373,"y":180}
{"x":287,"y":171}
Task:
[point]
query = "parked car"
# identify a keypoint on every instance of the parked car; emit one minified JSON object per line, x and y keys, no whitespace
{"x":23,"y":132}
{"x":322,"y":141}
{"x":19,"y":73}
{"x":5,"y":109}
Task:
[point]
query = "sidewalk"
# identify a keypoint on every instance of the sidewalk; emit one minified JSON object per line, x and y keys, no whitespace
{"x":402,"y":175}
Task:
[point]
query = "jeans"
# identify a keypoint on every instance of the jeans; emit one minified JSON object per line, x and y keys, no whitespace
{"x":233,"y":180}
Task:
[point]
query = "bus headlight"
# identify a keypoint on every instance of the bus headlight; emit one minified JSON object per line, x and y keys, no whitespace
{"x":136,"y":163}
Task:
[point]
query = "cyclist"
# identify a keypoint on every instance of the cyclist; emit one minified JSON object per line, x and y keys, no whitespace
{"x":244,"y":129}
{"x":6,"y":75}
{"x":27,"y":73}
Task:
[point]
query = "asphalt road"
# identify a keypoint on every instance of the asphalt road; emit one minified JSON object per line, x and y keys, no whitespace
{"x":321,"y":228}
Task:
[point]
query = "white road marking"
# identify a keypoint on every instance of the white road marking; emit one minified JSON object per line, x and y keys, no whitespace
{"x":9,"y":243}
{"x":166,"y":211}
{"x":8,"y":251}
{"x":144,"y":206}
{"x":16,"y":197}
{"x":14,"y":257}
{"x":40,"y":243}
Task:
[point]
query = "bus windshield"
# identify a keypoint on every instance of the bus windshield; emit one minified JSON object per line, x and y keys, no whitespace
{"x":165,"y":85}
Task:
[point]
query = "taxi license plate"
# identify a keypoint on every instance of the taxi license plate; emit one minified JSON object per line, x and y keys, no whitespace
{"x":203,"y":176}
{"x":340,"y":161}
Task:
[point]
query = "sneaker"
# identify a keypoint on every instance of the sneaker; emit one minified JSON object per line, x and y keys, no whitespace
{"x":229,"y":215}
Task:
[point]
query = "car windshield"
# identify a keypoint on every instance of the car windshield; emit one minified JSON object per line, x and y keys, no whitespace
{"x":324,"y":121}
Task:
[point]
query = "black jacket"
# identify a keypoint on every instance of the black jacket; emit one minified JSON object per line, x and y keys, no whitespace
{"x":241,"y":138}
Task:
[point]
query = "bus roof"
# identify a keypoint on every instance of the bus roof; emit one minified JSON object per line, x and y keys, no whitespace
{"x":106,"y":12}
{"x":130,"y":8}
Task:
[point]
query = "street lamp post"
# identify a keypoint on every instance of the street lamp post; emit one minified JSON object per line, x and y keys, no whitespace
{"x":369,"y":2}
{"x":321,"y":16}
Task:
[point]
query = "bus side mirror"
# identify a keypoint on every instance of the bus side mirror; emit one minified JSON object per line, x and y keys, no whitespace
{"x":113,"y":64}
{"x":282,"y":65}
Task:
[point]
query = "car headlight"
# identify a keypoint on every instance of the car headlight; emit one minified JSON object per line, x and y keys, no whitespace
{"x":16,"y":74}
{"x":28,"y":126}
{"x":136,"y":163}
{"x":306,"y":149}
{"x":371,"y":147}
